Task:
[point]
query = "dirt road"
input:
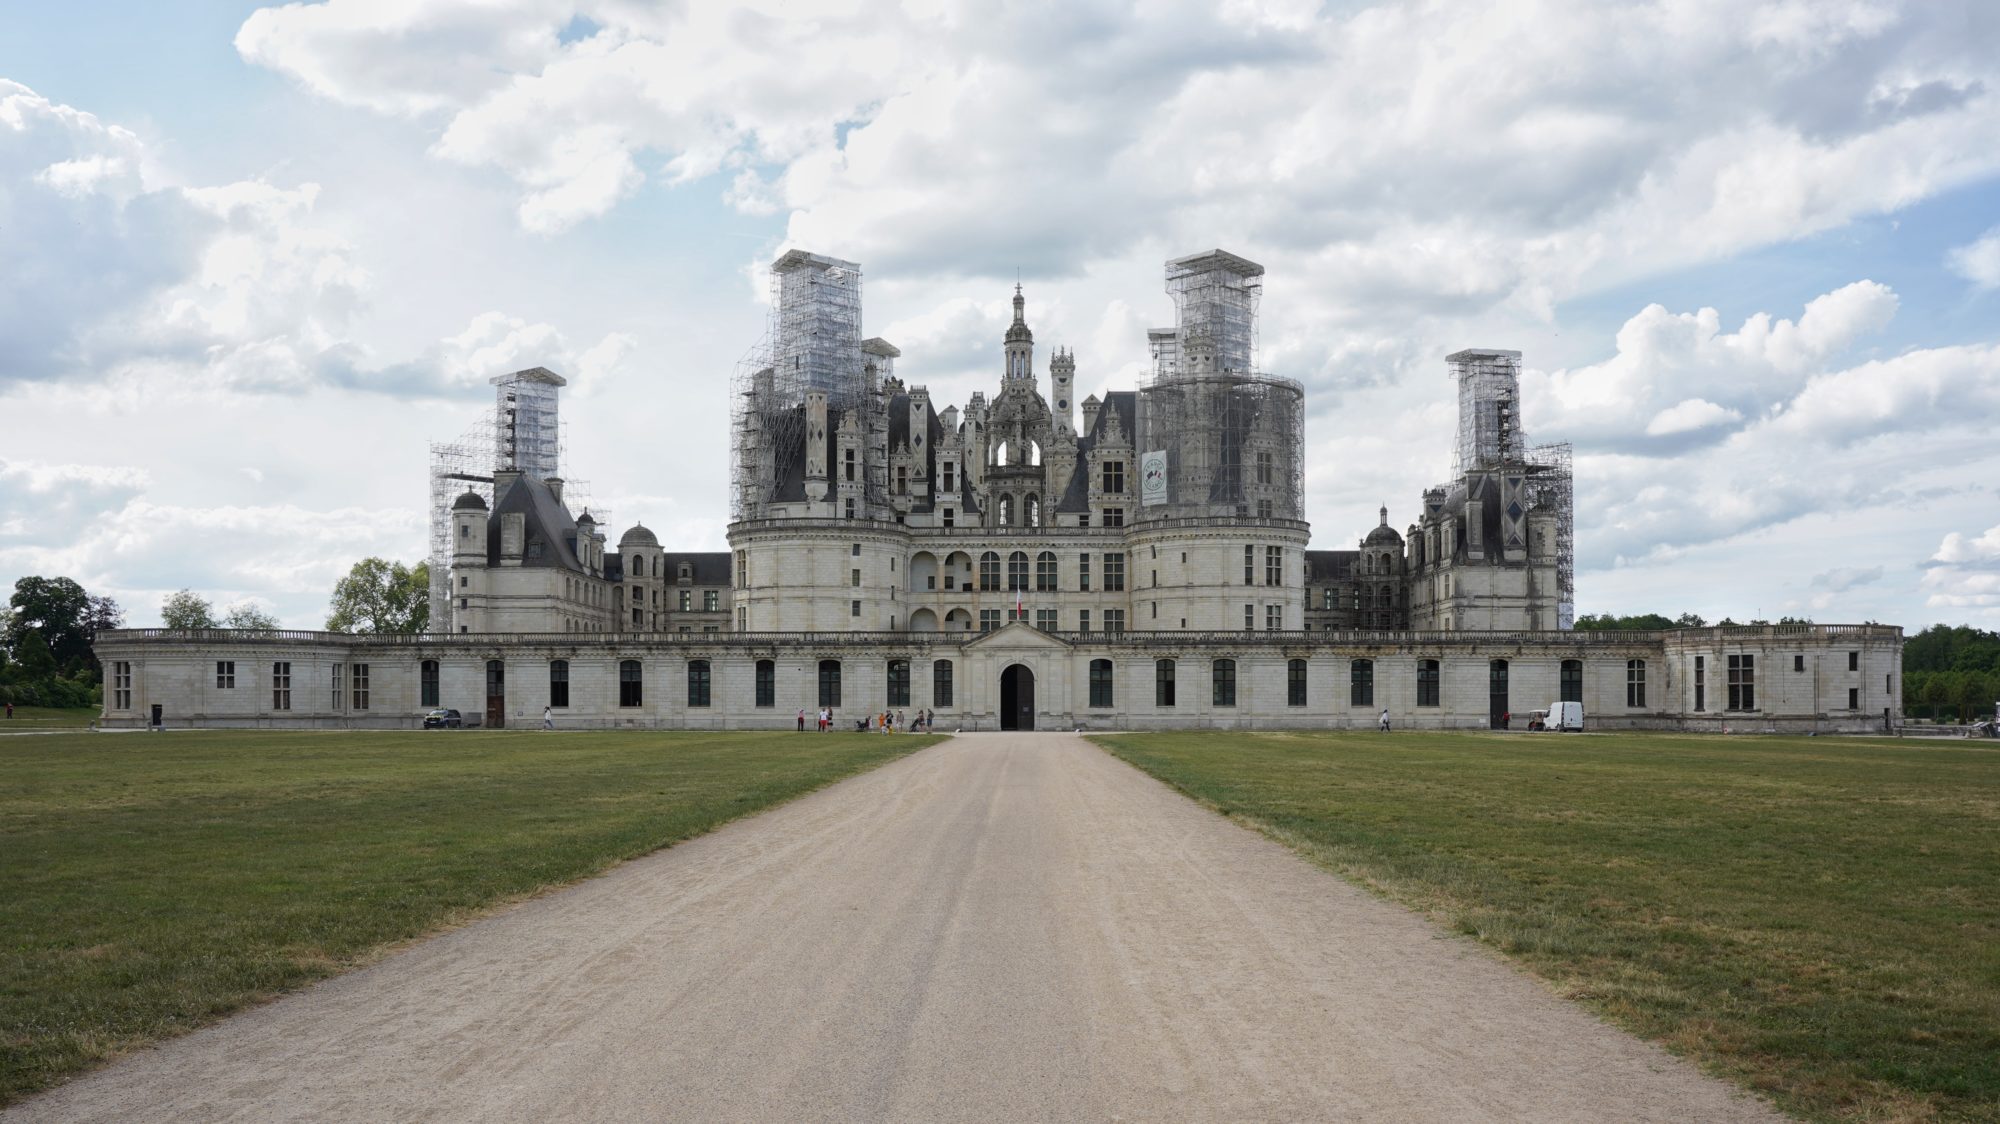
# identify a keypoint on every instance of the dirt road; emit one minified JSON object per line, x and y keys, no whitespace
{"x":1003,"y":927}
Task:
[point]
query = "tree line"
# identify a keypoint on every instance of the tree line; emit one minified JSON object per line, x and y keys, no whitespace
{"x":48,"y":624}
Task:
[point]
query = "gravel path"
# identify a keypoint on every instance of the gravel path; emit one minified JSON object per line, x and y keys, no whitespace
{"x":1002,"y":927}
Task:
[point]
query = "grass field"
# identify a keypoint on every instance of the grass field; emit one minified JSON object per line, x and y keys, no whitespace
{"x":1817,"y":918}
{"x":152,"y":883}
{"x":30,"y":718}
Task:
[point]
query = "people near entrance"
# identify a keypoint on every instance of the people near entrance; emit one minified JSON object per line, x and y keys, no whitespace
{"x":548,"y":719}
{"x":1506,"y":719}
{"x":802,"y":720}
{"x":1385,"y":719}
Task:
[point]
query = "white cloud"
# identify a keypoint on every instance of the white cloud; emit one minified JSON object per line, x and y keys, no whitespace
{"x":1956,"y":549}
{"x":1690,"y":415}
{"x":1978,"y":261}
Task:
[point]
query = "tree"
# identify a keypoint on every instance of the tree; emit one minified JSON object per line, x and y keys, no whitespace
{"x":248,"y":615}
{"x":56,"y":608}
{"x":1689,"y":620}
{"x":186,"y":610}
{"x":381,"y":596}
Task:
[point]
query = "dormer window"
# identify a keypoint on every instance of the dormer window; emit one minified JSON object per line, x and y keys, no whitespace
{"x":687,"y":572}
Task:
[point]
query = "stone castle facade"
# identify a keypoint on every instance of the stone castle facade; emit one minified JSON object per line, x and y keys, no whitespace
{"x":1140,"y":559}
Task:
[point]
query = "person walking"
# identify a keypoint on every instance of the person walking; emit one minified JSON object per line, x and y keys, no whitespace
{"x":1385,"y":719}
{"x":1506,"y":720}
{"x":802,"y":720}
{"x":899,"y":722}
{"x":548,"y":718}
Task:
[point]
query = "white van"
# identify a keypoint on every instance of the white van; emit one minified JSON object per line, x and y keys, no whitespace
{"x":1564,"y":716}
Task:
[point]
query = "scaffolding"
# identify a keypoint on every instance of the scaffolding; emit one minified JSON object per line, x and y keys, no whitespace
{"x":522,"y":433}
{"x":1489,"y":392}
{"x":1554,"y":489}
{"x":1234,"y":443}
{"x":1216,"y":294}
{"x":812,"y":342}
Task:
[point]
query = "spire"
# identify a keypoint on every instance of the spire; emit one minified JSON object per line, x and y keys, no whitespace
{"x":1020,"y":305}
{"x":1385,"y":515}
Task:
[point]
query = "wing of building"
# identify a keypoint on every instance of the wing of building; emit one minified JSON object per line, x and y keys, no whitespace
{"x":1136,"y":559}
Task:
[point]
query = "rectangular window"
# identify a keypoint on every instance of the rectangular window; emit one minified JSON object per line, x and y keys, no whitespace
{"x":899,"y":683}
{"x":854,"y":550}
{"x":1853,"y":662}
{"x":1798,"y":663}
{"x":121,"y":686}
{"x":428,"y":684}
{"x":1295,"y":683}
{"x":1361,"y":683}
{"x":854,"y":608}
{"x":630,"y":686}
{"x":1263,"y":509}
{"x":1045,"y":619}
{"x":1114,"y":477}
{"x":1163,"y":683}
{"x":225,"y":674}
{"x":1045,"y":572}
{"x":742,"y":618}
{"x":711,"y":600}
{"x":847,"y":462}
{"x":946,"y":484}
{"x":1100,"y":682}
{"x":281,"y":685}
{"x":949,"y":521}
{"x":743,"y":569}
{"x":1083,"y":620}
{"x":1701,"y":683}
{"x":829,"y":682}
{"x":638,"y":617}
{"x":1326,"y":599}
{"x":1263,"y":468}
{"x":854,"y":578}
{"x":941,"y":683}
{"x":336,"y":686}
{"x":1114,"y":517}
{"x":1114,"y":620}
{"x":1635,"y":683}
{"x":1114,"y":573}
{"x":359,"y":683}
{"x":687,"y":601}
{"x":1083,"y":519}
{"x":559,"y":684}
{"x":1223,"y":682}
{"x":989,"y":619}
{"x":1274,"y":565}
{"x":1427,"y":682}
{"x":1743,"y":682}
{"x":1572,"y":681}
{"x":1083,"y":572}
{"x":698,"y":683}
{"x":1249,"y":565}
{"x":1249,"y":618}
{"x":1274,"y":617}
{"x":767,"y":682}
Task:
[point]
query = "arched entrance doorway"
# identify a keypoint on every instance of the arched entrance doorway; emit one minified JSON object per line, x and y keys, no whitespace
{"x":1017,"y":698}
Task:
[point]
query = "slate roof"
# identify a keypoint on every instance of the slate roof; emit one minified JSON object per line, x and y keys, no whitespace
{"x":1125,"y":403}
{"x":549,"y":534}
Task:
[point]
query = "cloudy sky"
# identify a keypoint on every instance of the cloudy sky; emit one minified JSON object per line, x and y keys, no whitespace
{"x":253,"y":259}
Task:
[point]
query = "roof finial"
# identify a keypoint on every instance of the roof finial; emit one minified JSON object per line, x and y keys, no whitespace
{"x":1385,"y":515}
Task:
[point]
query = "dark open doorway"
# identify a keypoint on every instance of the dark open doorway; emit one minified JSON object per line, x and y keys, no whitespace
{"x":1017,"y":698}
{"x":496,"y":694}
{"x":1496,"y":695}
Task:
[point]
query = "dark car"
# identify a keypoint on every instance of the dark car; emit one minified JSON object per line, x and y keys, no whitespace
{"x":442,"y":719}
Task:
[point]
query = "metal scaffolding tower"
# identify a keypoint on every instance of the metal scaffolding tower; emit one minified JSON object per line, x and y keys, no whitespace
{"x":1554,"y":488}
{"x":1489,"y":393}
{"x":1216,"y":293}
{"x":812,"y":342}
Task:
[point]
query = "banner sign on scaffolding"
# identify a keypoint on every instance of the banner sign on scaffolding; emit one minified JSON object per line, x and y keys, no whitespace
{"x":1152,"y":479}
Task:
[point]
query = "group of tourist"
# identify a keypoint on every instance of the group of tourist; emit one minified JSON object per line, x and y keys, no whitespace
{"x":888,"y":722}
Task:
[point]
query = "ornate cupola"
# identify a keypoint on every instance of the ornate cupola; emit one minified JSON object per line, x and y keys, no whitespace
{"x":1020,"y":342}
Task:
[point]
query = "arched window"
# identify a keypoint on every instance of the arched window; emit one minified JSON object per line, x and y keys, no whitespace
{"x":1163,"y":683}
{"x":1017,"y":570}
{"x":941,"y":683}
{"x":1361,"y":683}
{"x":430,"y":684}
{"x":638,"y":567}
{"x":1045,"y":571}
{"x":1031,"y":512}
{"x":899,"y":683}
{"x":698,"y":682}
{"x":558,"y":683}
{"x":629,"y":693}
{"x":1295,"y":683}
{"x":829,"y":682}
{"x":1006,"y":511}
{"x":1222,"y":678}
{"x":1427,"y":682}
{"x":767,"y":682}
{"x":989,"y":571}
{"x":1100,"y":682}
{"x":1572,"y":681}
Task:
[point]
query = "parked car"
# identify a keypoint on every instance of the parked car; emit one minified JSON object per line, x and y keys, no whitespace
{"x":443,"y":719}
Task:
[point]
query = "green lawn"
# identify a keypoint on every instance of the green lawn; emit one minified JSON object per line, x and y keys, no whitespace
{"x":1817,"y":918}
{"x":47,"y":718}
{"x":150,"y":883}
